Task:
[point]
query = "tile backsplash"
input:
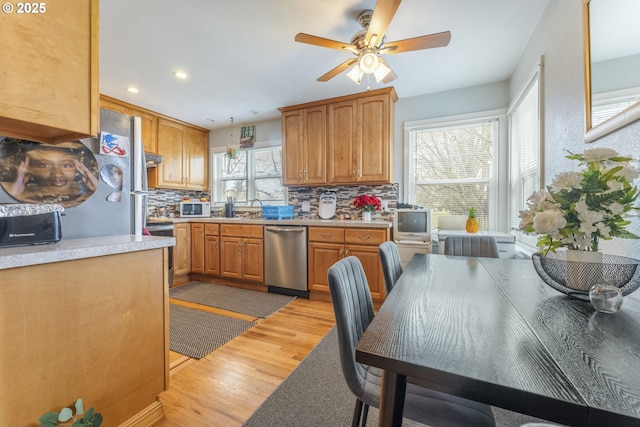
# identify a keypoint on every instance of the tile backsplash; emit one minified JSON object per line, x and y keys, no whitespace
{"x":345,"y":194}
{"x":170,"y":200}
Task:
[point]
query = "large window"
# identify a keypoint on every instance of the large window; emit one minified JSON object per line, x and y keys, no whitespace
{"x":525,"y":149}
{"x":451,"y":168}
{"x":254,"y":174}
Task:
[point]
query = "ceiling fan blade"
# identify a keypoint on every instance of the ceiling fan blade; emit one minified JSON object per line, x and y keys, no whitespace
{"x":417,"y":43}
{"x":322,"y":42}
{"x":340,"y":68}
{"x":380,"y":20}
{"x":389,"y":77}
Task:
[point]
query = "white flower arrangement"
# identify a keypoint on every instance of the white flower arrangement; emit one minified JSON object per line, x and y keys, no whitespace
{"x":580,"y":208}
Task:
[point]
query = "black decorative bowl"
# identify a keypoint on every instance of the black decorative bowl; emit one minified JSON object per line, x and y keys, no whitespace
{"x":575,"y":278}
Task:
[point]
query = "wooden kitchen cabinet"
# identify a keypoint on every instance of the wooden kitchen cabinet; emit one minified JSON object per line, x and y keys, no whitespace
{"x":149,"y":120}
{"x":327,"y":245}
{"x":345,"y":140}
{"x":182,"y":249}
{"x":304,"y":145}
{"x":360,"y":140}
{"x":205,"y":249}
{"x":197,"y":248}
{"x":242,"y":252}
{"x":184,"y":150}
{"x":49,"y":72}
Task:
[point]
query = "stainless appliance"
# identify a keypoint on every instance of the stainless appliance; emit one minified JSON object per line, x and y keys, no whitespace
{"x":195,"y":209}
{"x":164,"y":229}
{"x":285,"y":259}
{"x":98,"y":216}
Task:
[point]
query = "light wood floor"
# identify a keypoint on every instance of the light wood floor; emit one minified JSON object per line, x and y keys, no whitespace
{"x":225,"y":387}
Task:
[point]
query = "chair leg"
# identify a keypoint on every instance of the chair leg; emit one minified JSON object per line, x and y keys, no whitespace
{"x":357,"y":412}
{"x":364,"y":415}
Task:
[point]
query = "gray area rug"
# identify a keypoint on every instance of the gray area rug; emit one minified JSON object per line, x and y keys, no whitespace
{"x":196,"y":333}
{"x":253,"y":303}
{"x":316,"y":395}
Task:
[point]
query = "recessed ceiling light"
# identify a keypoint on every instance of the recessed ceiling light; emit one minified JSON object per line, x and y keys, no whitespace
{"x":210,"y":120}
{"x":180,"y":74}
{"x":132,"y":89}
{"x":253,"y":111}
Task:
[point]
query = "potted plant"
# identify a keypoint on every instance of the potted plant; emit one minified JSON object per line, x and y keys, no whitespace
{"x":368,"y":204}
{"x":581,"y":208}
{"x":64,"y":417}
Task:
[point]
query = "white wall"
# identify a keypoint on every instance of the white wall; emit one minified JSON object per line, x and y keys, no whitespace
{"x":559,"y":38}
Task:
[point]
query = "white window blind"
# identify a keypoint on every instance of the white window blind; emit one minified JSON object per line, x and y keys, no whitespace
{"x":524,"y":120}
{"x":451,"y":168}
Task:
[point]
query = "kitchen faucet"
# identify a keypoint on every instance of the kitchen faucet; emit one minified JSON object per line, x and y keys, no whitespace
{"x":256,"y":200}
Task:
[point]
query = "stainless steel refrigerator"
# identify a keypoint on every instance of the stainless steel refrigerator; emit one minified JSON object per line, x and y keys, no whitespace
{"x":110,"y":210}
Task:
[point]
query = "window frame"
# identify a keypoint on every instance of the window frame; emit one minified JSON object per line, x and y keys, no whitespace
{"x":526,"y":242}
{"x":250,"y":176}
{"x":497,"y":168}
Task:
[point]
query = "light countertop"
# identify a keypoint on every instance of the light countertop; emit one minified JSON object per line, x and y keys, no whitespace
{"x":352,"y":223}
{"x":70,"y":249}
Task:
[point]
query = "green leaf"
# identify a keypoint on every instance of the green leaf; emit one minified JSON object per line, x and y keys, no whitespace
{"x":78,"y":423}
{"x":89,"y":413}
{"x":47,"y":424}
{"x":96,"y":421}
{"x":65,"y":414}
{"x":49,"y":417}
{"x":79,"y":407}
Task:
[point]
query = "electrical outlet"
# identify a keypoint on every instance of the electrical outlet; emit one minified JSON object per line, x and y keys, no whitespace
{"x":306,"y":206}
{"x":385,"y":205}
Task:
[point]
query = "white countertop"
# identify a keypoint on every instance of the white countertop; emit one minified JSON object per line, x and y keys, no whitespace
{"x":70,"y":249}
{"x":353,"y":223}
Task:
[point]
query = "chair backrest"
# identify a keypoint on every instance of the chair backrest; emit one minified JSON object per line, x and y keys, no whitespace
{"x":353,"y":309}
{"x":391,"y":264}
{"x":480,"y":246}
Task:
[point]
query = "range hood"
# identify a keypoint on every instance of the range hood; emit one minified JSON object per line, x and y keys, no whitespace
{"x":152,"y":160}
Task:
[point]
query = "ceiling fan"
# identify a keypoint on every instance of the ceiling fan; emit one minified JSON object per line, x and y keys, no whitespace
{"x":369,"y":44}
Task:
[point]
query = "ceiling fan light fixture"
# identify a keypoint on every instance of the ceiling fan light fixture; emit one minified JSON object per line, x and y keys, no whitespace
{"x":369,"y":62}
{"x":381,"y":72}
{"x":355,"y":74}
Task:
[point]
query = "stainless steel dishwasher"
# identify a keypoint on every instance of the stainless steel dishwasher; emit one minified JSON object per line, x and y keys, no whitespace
{"x":285,"y":259}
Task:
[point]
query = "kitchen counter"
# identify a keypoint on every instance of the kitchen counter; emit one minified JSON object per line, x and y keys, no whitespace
{"x":88,"y":305}
{"x":352,"y":223}
{"x":72,"y":249}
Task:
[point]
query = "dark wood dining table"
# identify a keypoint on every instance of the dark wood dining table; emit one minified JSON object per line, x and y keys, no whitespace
{"x":492,"y":331}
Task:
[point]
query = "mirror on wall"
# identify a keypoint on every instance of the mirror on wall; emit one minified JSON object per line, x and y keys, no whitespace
{"x":612,"y":65}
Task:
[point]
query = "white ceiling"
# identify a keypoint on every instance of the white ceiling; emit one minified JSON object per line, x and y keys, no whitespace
{"x":241,"y":56}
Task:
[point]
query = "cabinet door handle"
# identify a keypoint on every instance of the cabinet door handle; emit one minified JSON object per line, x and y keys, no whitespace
{"x":346,"y":252}
{"x":239,"y":247}
{"x":305,"y":174}
{"x":364,"y":237}
{"x":326,"y":235}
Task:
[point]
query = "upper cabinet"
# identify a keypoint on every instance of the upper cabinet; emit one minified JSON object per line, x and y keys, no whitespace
{"x":184,"y":147}
{"x":149,"y":121}
{"x":345,"y":140}
{"x":304,"y":146}
{"x":49,"y":73}
{"x":184,"y":150}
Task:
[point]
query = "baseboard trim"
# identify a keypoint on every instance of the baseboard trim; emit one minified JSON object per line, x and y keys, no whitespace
{"x":149,"y":416}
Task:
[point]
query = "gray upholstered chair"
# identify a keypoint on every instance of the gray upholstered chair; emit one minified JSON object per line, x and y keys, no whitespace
{"x":391,"y":264}
{"x":480,"y":246}
{"x":353,"y":309}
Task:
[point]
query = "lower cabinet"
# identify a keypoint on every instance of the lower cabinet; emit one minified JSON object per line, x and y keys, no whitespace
{"x":205,"y":248}
{"x":327,"y":245}
{"x":242,"y":252}
{"x":182,"y":249}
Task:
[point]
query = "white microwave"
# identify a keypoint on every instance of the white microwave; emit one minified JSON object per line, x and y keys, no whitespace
{"x":195,"y":209}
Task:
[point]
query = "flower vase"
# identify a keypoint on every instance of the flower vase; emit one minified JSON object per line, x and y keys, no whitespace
{"x":584,"y":269}
{"x":366,"y":215}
